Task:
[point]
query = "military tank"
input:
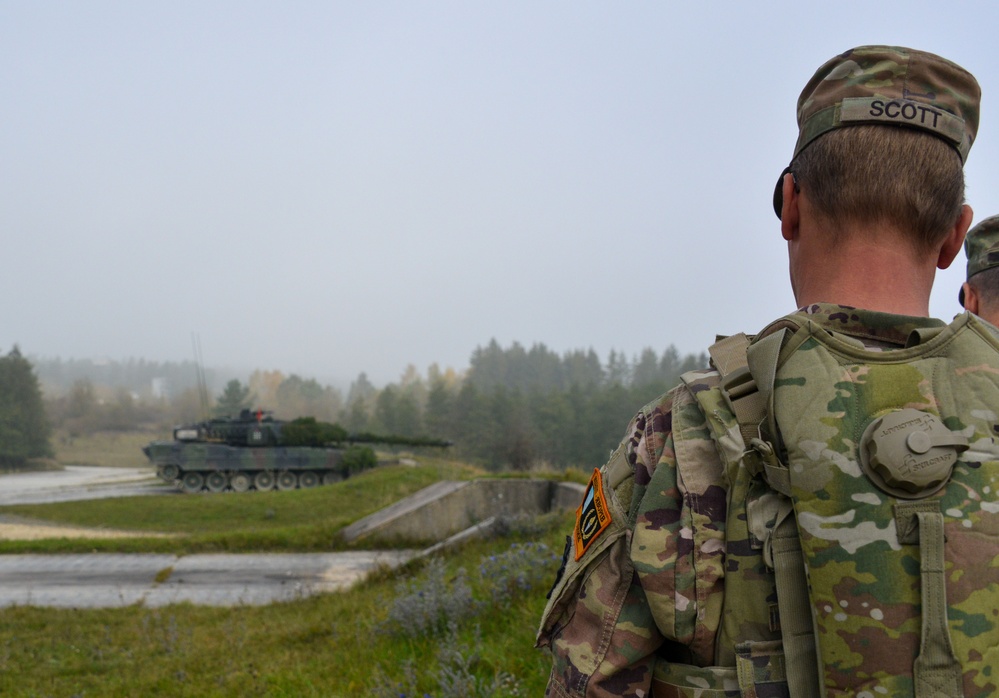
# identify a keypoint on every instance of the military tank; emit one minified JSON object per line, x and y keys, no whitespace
{"x":255,"y":451}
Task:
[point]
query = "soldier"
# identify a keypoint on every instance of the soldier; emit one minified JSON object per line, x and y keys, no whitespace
{"x":665,"y":587}
{"x":980,"y":293}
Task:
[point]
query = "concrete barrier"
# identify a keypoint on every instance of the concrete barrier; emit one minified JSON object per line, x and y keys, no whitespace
{"x":447,"y":508}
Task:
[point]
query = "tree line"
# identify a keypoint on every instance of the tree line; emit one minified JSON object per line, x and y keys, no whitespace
{"x":518,"y":407}
{"x":514,"y":407}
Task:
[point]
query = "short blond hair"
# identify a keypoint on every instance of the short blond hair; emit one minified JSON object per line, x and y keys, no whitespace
{"x":986,"y":285}
{"x":877,"y":174}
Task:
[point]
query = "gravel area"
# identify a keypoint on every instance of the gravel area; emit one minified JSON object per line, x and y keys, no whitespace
{"x":22,"y":528}
{"x":75,"y":482}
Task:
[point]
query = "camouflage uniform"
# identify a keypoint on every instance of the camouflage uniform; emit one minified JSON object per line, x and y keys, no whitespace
{"x":659,"y":591}
{"x":641,"y":603}
{"x":982,"y":249}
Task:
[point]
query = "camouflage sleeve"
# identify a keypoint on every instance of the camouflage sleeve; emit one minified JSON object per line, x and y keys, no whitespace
{"x":632,"y":595}
{"x":678,"y":542}
{"x":598,"y":624}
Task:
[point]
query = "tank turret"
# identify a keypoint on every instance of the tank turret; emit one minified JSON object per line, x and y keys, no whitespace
{"x":256,"y":451}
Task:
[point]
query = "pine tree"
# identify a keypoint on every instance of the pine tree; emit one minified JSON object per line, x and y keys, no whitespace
{"x":438,"y":414}
{"x":24,"y":427}
{"x":235,"y":398}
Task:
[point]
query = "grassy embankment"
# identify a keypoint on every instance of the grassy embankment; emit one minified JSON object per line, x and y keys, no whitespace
{"x":461,"y":626}
{"x":297,"y":520}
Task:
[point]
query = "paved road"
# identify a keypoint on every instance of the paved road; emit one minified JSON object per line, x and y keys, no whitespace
{"x":106,"y":580}
{"x":79,"y":482}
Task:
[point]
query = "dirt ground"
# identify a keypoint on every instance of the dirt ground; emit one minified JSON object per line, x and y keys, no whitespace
{"x":21,"y":528}
{"x":68,"y":484}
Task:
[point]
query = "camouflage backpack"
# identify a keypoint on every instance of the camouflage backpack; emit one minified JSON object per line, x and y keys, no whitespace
{"x":868,"y":483}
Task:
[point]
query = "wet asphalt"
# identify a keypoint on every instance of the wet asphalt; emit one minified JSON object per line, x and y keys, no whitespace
{"x":100,"y":580}
{"x":77,"y":482}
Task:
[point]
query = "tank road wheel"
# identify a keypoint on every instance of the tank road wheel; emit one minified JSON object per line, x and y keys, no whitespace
{"x":192,"y":482}
{"x":308,"y":480}
{"x":264,"y":480}
{"x":169,"y":472}
{"x":216,"y":481}
{"x":287,"y":480}
{"x":331,"y":476}
{"x":240,"y":482}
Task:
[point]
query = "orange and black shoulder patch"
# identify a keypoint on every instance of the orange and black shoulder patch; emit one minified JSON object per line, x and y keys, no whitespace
{"x":592,"y":516}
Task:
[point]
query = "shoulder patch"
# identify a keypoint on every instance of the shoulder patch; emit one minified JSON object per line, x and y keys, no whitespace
{"x":592,"y":516}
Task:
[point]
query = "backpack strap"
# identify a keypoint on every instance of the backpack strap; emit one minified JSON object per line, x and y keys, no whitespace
{"x":748,"y":377}
{"x":728,"y":355}
{"x":749,"y":371}
{"x":936,"y":670}
{"x":797,"y":630}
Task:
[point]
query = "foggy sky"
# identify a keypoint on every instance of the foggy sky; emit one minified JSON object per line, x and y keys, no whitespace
{"x":335,"y":187}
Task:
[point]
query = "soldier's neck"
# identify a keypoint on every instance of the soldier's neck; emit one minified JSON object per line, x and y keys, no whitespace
{"x":862,"y":271}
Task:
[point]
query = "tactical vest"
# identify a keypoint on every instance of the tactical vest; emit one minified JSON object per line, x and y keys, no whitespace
{"x":863,"y":519}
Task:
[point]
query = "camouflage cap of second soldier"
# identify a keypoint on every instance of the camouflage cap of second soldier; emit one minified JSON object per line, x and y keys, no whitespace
{"x":891,"y":86}
{"x":982,"y":248}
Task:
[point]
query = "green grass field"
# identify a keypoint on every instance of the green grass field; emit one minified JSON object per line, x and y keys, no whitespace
{"x":342,"y":644}
{"x":461,"y":627}
{"x":296,"y":520}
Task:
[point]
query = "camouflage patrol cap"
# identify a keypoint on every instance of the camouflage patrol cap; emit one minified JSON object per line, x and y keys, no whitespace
{"x":982,"y":248}
{"x":892,"y":86}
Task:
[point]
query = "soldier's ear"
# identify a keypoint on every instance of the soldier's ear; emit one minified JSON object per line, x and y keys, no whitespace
{"x":954,"y":241}
{"x":789,"y":213}
{"x":970,"y":298}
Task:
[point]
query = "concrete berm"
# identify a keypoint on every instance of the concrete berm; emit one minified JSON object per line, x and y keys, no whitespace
{"x":446,"y":508}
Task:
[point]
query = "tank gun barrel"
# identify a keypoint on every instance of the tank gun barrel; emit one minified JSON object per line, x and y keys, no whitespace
{"x":391,"y":440}
{"x":307,"y":431}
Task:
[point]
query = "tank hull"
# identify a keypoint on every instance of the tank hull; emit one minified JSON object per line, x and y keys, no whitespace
{"x":217,"y":467}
